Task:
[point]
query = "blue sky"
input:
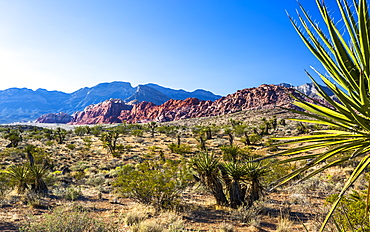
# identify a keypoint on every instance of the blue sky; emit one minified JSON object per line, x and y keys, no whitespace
{"x":221,"y":46}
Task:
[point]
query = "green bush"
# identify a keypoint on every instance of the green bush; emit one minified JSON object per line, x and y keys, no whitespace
{"x":351,"y":213}
{"x":153,"y":183}
{"x":137,"y":132}
{"x":82,"y":130}
{"x":72,"y":193}
{"x":233,"y":153}
{"x":5,"y":187}
{"x":255,"y":138}
{"x":71,"y":146}
{"x":96,"y":130}
{"x":179,"y":149}
{"x":61,"y":220}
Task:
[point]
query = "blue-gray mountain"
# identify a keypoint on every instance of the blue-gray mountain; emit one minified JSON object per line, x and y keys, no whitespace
{"x":308,"y":89}
{"x":21,"y":104}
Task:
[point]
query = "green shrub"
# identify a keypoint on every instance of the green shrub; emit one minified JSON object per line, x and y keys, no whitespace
{"x":137,"y":132}
{"x":122,"y":148}
{"x":5,"y":188}
{"x":179,"y":149}
{"x":233,"y":153}
{"x":61,"y":220}
{"x":154,"y":183}
{"x":96,"y":180}
{"x":72,"y":193}
{"x":351,"y":213}
{"x":14,"y":136}
{"x":71,"y":146}
{"x":82,"y":130}
{"x":255,"y":138}
{"x":49,"y":143}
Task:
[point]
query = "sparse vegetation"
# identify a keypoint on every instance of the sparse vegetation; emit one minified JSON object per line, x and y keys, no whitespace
{"x":220,"y":181}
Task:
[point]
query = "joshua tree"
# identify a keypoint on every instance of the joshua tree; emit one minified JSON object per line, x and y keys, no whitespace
{"x":241,"y":180}
{"x":60,"y":135}
{"x":254,"y":175}
{"x":229,"y":131}
{"x":273,"y":122}
{"x":242,"y":129}
{"x":152,"y":126}
{"x":201,"y":134}
{"x":234,"y":175}
{"x":29,"y":149}
{"x":109,"y":140}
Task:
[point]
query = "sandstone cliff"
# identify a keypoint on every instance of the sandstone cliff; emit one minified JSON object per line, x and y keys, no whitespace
{"x":115,"y":111}
{"x":101,"y":113}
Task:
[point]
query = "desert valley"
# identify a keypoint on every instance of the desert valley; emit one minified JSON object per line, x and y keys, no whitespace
{"x":149,"y":158}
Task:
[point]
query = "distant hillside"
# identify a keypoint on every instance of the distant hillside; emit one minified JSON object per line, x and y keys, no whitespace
{"x":21,"y":104}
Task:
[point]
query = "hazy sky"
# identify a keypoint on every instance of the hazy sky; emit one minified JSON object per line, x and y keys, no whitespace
{"x":221,"y":46}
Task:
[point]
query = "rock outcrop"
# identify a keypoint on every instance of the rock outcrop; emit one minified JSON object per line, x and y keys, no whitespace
{"x":101,"y":113}
{"x":262,"y":97}
{"x":55,"y":118}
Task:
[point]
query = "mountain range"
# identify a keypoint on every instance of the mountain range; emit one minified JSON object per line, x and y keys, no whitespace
{"x":117,"y":111}
{"x":22,"y":104}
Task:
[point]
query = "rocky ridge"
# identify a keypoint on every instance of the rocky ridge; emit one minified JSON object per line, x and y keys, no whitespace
{"x":262,"y":97}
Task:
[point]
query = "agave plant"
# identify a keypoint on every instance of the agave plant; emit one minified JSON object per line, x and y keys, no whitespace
{"x":348,"y":68}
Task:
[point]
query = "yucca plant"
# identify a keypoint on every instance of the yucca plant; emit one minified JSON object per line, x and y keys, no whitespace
{"x":236,"y":174}
{"x":38,"y":184}
{"x":19,"y":176}
{"x":348,"y":68}
{"x":255,"y":174}
{"x":207,"y":167}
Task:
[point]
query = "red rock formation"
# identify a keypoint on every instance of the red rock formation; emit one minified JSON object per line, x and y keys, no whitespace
{"x":54,"y":118}
{"x":104,"y":112}
{"x":168,"y":111}
{"x":115,"y":111}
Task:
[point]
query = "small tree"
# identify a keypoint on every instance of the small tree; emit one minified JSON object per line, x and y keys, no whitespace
{"x":152,"y":126}
{"x":60,"y":135}
{"x":230,"y":133}
{"x":109,"y":140}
